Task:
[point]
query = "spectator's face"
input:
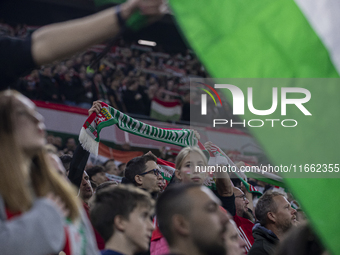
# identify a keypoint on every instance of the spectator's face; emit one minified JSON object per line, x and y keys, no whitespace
{"x":190,"y":171}
{"x":79,"y":60}
{"x":71,"y":144}
{"x":241,"y":202}
{"x":235,"y":244}
{"x":207,"y":222}
{"x":122,"y":168}
{"x":99,"y":178}
{"x":47,"y":72}
{"x":133,"y":86}
{"x":71,"y":72}
{"x":98,"y":78}
{"x":152,"y":80}
{"x":87,"y":59}
{"x":170,"y":85}
{"x":150,"y":181}
{"x":29,"y":127}
{"x":82,"y":76}
{"x":111,"y":168}
{"x":63,"y":69}
{"x":142,"y":80}
{"x":139,"y":219}
{"x":115,"y":84}
{"x":86,"y":190}
{"x":69,"y":63}
{"x":57,"y":141}
{"x":67,"y":77}
{"x":50,"y":139}
{"x":285,"y":215}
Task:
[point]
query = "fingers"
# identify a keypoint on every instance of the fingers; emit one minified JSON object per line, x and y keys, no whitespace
{"x":208,"y":145}
{"x":58,"y":203}
{"x":197,"y":134}
{"x":96,"y":107}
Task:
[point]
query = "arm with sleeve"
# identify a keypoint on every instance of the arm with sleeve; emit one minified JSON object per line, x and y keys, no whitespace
{"x":77,"y":165}
{"x":38,"y":231}
{"x":15,"y":59}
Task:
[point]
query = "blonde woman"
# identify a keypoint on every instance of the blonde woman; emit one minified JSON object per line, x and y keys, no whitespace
{"x":39,"y":212}
{"x":190,"y":162}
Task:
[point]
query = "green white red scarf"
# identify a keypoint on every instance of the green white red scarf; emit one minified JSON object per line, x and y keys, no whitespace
{"x":108,"y":116}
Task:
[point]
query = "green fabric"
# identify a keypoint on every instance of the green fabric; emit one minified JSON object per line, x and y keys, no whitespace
{"x":249,"y":39}
{"x":159,"y":116}
{"x":272,"y":39}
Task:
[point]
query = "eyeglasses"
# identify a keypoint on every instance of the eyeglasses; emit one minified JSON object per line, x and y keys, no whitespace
{"x":155,"y":172}
{"x":243,"y":197}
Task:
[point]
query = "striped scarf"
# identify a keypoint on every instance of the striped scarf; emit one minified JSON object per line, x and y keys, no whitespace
{"x":108,"y":116}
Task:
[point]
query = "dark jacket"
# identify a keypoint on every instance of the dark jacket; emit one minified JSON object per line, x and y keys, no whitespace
{"x":265,"y":241}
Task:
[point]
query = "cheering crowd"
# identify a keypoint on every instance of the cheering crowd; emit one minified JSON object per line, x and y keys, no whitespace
{"x":52,"y":205}
{"x":42,"y":214}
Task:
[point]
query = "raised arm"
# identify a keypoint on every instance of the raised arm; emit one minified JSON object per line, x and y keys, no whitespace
{"x":223,"y":182}
{"x":60,"y":40}
{"x":81,"y":155}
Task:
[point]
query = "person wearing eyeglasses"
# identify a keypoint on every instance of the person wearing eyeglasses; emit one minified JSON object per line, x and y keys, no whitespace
{"x":144,"y":173}
{"x":243,"y":218}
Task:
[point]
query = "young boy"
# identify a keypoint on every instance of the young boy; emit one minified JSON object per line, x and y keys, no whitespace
{"x":122,"y":216}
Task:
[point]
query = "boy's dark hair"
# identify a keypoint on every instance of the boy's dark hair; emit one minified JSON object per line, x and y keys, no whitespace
{"x":137,"y":166}
{"x":113,"y":201}
{"x":173,"y":200}
{"x":94,"y":170}
{"x":106,"y":185}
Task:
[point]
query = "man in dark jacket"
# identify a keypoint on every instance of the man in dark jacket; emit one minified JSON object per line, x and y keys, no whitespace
{"x":276,"y":217}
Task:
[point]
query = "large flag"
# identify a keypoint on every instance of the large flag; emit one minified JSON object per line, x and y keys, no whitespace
{"x":263,"y":38}
{"x":165,"y":111}
{"x":281,"y":39}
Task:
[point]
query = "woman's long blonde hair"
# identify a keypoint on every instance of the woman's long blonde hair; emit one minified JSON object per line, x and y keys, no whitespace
{"x":16,"y":184}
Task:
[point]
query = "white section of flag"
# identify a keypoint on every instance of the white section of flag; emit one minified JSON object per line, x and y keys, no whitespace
{"x":324,"y":18}
{"x":166,"y":111}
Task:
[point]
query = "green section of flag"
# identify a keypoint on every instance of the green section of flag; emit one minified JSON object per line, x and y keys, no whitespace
{"x":272,"y":39}
{"x":161,"y":117}
{"x":245,"y":38}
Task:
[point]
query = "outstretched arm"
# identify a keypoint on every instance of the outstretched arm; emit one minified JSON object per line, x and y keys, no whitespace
{"x":223,"y":183}
{"x":60,"y":40}
{"x":81,"y":155}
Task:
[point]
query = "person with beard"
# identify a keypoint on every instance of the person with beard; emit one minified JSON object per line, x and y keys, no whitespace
{"x":276,"y":217}
{"x":190,"y":219}
{"x":85,"y":193}
{"x":243,"y":218}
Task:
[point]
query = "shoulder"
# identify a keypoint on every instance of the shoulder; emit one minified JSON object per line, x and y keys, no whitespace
{"x":258,"y":248}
